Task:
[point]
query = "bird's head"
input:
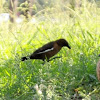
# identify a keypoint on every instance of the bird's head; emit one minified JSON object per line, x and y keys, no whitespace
{"x":62,"y":43}
{"x":99,"y":55}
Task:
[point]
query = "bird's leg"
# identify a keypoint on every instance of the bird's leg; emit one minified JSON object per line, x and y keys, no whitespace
{"x":44,"y":61}
{"x":50,"y":59}
{"x":54,"y":58}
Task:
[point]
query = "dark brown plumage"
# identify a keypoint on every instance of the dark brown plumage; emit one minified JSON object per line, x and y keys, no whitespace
{"x":48,"y":50}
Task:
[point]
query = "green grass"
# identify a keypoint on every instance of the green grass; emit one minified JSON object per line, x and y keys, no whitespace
{"x":59,"y":79}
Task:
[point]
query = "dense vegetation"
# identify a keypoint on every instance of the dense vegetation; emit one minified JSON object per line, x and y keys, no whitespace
{"x":70,"y":77}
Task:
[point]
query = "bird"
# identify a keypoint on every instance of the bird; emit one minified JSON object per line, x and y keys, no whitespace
{"x":98,"y":69}
{"x":48,"y":50}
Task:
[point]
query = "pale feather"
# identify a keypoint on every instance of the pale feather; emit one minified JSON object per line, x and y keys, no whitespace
{"x":46,"y":51}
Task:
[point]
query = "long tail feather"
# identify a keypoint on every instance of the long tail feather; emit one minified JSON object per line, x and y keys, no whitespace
{"x":23,"y":58}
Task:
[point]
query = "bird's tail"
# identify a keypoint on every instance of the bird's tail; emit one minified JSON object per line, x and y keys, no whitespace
{"x":23,"y":58}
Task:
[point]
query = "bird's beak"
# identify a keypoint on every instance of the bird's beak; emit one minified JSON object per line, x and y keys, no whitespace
{"x":69,"y":47}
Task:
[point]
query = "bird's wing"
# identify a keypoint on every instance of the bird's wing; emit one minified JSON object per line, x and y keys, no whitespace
{"x":46,"y":48}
